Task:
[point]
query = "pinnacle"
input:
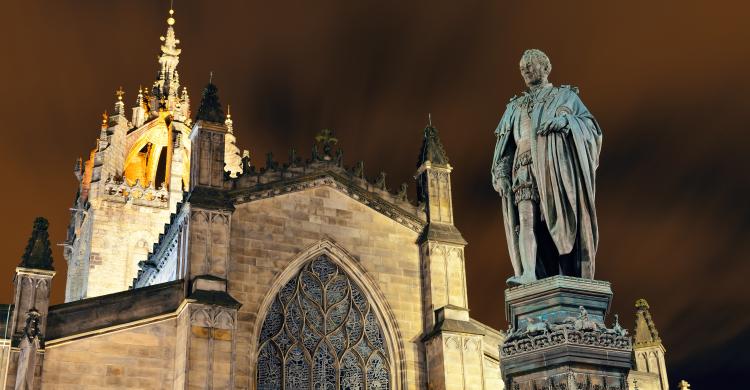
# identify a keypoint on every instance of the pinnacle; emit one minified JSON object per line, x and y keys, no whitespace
{"x":432,"y":149}
{"x":210,"y":108}
{"x":38,"y":254}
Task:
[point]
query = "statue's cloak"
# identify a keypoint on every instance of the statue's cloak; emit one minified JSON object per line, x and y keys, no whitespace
{"x":565,"y":169}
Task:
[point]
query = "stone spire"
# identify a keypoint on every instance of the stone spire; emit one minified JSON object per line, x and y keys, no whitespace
{"x":232,"y":159}
{"x":648,"y":351}
{"x":167,"y":86}
{"x":432,"y":149}
{"x":38,"y":254}
{"x":210,"y":108}
{"x":431,"y":153}
{"x":645,"y":329}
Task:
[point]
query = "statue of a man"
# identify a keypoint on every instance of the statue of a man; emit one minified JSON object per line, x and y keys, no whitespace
{"x":544,"y":168}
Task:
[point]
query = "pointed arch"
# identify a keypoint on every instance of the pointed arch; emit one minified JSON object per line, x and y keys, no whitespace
{"x":367,"y":295}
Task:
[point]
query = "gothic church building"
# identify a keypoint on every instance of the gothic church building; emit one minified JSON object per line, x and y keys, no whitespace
{"x":189,"y":267}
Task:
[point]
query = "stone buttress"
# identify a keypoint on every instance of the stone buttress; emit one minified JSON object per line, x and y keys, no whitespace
{"x":453,"y":343}
{"x":28,"y":321}
{"x":206,"y":326}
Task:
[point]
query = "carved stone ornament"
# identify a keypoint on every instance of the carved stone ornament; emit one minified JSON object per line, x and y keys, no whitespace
{"x":212,"y":317}
{"x":581,"y":330}
{"x":27,"y":352}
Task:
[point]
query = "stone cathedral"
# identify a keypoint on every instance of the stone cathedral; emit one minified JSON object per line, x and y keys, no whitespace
{"x":190,"y":267}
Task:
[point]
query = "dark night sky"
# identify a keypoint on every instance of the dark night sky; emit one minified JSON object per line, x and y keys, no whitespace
{"x":666,"y":80}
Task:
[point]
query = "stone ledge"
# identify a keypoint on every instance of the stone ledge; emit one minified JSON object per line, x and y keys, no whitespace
{"x":566,"y":355}
{"x":558,"y":282}
{"x":109,"y":310}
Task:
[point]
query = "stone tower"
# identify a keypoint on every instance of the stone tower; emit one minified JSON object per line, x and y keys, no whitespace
{"x":452,"y":341}
{"x":650,"y":369}
{"x":133,"y":180}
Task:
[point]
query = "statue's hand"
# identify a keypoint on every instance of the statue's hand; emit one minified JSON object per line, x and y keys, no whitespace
{"x":558,"y":124}
{"x":501,"y":176}
{"x":502,"y":186}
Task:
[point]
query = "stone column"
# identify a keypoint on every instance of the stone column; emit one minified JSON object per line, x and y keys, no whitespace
{"x":558,"y":337}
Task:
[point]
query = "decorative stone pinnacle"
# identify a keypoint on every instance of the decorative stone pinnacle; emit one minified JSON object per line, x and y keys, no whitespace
{"x":210,"y":109}
{"x":432,"y":149}
{"x":326,"y":138}
{"x":646,"y":333}
{"x":119,"y":94}
{"x":38,"y":253}
{"x":684,"y":385}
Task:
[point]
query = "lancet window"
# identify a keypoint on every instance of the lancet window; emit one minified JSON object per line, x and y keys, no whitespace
{"x":321,"y":333}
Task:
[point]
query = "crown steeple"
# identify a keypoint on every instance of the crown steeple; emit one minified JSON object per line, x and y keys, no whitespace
{"x":167,"y":85}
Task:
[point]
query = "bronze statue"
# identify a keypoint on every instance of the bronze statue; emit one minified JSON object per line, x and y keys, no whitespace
{"x":544,"y":168}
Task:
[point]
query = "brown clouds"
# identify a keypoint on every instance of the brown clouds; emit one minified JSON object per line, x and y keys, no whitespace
{"x":667,"y":81}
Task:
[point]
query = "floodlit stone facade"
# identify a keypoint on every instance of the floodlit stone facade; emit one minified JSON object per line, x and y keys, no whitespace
{"x":300,"y":274}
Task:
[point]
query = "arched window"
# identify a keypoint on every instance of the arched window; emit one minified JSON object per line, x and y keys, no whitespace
{"x":321,"y":333}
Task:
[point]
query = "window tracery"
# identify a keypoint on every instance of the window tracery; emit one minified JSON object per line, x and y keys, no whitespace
{"x":321,"y":333}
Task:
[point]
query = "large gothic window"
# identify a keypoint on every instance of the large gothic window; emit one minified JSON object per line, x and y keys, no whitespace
{"x":321,"y":333}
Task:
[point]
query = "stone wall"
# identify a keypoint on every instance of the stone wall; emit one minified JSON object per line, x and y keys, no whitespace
{"x":267,"y":239}
{"x":137,"y":358}
{"x":118,"y":244}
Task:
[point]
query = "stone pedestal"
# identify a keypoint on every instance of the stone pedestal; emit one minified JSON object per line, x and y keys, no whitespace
{"x":558,"y":339}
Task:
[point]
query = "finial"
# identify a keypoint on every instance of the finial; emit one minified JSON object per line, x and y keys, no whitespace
{"x":170,"y":21}
{"x":229,"y":114}
{"x":211,"y":77}
{"x":326,"y":138}
{"x":641,"y":304}
{"x":105,"y":118}
{"x":429,"y":119}
{"x":119,"y":93}
{"x":684,"y":385}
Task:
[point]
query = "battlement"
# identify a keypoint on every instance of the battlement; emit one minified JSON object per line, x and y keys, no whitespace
{"x":117,"y":189}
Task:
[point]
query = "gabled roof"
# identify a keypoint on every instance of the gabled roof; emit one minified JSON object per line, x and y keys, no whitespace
{"x":391,"y":205}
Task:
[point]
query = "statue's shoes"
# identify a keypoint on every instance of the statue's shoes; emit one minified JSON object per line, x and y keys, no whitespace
{"x":514,"y":281}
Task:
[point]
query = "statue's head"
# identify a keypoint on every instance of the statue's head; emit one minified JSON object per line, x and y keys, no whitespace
{"x":535,"y":67}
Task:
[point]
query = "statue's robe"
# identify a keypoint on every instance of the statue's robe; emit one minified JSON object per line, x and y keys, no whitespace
{"x":565,"y":169}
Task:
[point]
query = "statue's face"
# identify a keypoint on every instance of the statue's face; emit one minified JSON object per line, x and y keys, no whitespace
{"x":533,"y":72}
